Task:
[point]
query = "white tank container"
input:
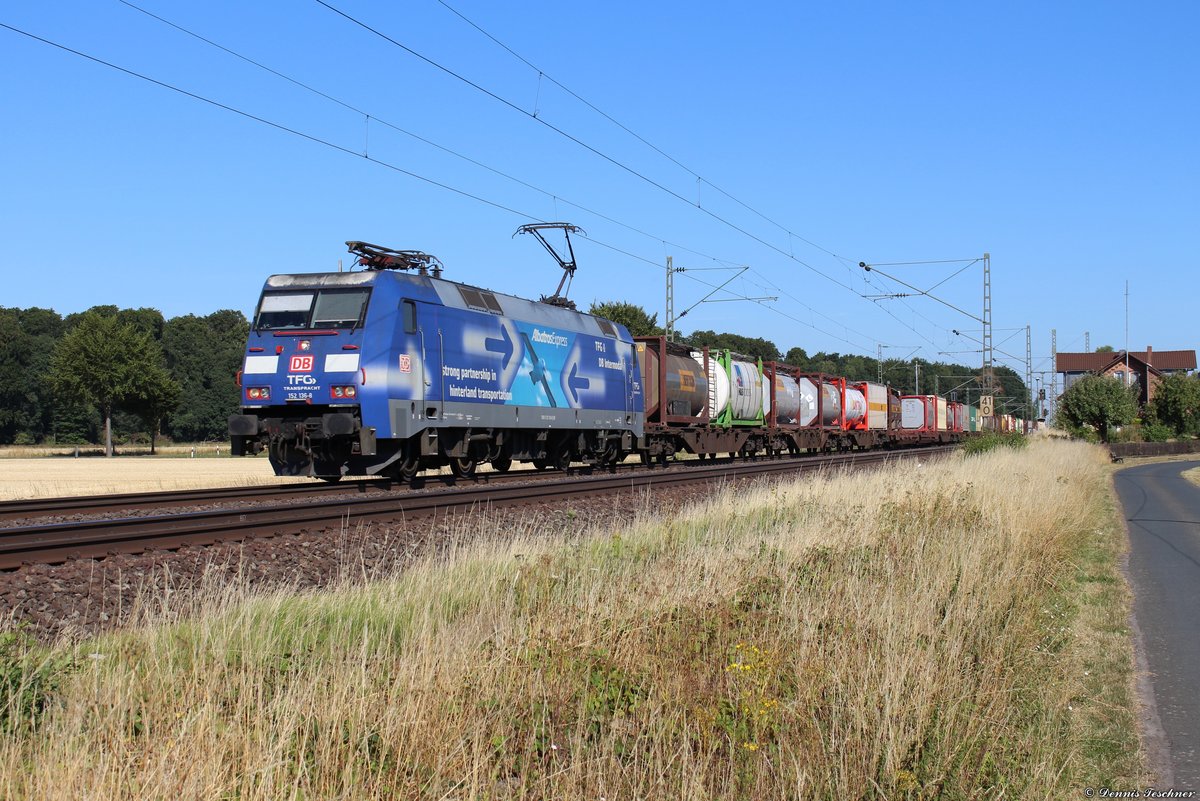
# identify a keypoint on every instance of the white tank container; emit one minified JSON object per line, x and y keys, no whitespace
{"x":831,"y":404}
{"x":912,"y":413}
{"x":718,"y":385}
{"x":787,"y":399}
{"x":941,"y":414}
{"x":746,"y":394}
{"x":807,"y":413}
{"x":856,"y":405}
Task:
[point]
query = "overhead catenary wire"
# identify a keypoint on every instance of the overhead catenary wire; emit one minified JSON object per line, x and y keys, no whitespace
{"x":482,"y":165}
{"x":585,"y":145}
{"x":566,"y":134}
{"x":542,"y":74}
{"x":508,"y":208}
{"x":347,"y":151}
{"x":475,"y":162}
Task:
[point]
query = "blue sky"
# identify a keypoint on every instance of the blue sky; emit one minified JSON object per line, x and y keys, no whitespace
{"x":1058,"y":137}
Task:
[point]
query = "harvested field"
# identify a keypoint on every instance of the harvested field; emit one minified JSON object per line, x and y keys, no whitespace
{"x":53,"y":477}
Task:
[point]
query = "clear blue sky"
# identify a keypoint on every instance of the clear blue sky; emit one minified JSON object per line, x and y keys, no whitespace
{"x":1059,"y":137}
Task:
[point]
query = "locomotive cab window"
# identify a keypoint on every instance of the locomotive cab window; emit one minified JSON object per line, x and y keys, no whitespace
{"x":284,"y":310}
{"x":311,"y":309}
{"x":340,"y":309}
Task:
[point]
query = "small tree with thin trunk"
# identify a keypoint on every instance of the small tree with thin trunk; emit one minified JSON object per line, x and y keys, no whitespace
{"x":106,"y":363}
{"x":1098,"y":401}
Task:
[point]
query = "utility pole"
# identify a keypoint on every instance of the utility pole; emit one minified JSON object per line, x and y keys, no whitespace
{"x":916,"y":377}
{"x":879,"y":358}
{"x":1054,"y":367}
{"x":1087,"y":341}
{"x":989,"y":381}
{"x":1127,"y":333}
{"x":670,"y":321}
{"x":1030,"y":414}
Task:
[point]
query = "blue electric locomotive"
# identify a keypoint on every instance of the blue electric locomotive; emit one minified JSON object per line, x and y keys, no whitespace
{"x":393,"y":369}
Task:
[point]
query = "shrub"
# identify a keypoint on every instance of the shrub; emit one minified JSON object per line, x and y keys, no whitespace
{"x":991,"y":440}
{"x":1157,"y":432}
{"x":29,"y":676}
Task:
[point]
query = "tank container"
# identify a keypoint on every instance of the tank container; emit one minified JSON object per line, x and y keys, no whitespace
{"x":856,"y":405}
{"x":787,"y":399}
{"x":877,"y":406}
{"x":746,"y":394}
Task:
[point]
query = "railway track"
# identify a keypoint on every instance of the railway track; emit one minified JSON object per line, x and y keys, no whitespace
{"x":59,"y":542}
{"x":104,"y":505}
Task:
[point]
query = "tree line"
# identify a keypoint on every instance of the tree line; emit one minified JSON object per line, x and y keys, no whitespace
{"x":124,"y":374}
{"x":955,"y":381}
{"x":131,"y":374}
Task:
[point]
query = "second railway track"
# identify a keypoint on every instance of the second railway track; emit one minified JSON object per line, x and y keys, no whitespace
{"x":59,"y":542}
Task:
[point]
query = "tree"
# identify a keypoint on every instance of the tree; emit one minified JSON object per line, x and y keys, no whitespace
{"x":1104,"y":349}
{"x":204,"y":355}
{"x":633,"y":317}
{"x":1176,"y":404}
{"x":107,"y":363}
{"x":797,"y":357}
{"x":27,"y":338}
{"x":744,"y":346}
{"x":1101,"y":402}
{"x":157,"y":397}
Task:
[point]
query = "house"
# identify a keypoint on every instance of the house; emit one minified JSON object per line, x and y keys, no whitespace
{"x":1141,"y":368}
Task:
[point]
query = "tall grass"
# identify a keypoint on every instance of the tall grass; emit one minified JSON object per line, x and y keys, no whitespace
{"x":903,"y":634}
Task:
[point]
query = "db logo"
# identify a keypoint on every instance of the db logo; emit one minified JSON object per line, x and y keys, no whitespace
{"x":301,"y":364}
{"x":405,"y":363}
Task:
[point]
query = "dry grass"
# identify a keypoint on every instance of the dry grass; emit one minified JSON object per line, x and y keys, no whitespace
{"x":913,"y":635}
{"x":52,"y":478}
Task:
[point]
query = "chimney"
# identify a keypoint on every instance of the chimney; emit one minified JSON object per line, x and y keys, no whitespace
{"x":1149,"y":356}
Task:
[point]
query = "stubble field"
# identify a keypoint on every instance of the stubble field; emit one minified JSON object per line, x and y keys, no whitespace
{"x":61,"y":476}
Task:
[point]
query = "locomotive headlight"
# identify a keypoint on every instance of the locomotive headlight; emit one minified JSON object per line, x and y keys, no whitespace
{"x":258,"y":393}
{"x":305,"y":344}
{"x":343,"y":392}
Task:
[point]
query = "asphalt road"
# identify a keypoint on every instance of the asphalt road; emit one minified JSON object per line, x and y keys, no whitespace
{"x":1162,"y":512}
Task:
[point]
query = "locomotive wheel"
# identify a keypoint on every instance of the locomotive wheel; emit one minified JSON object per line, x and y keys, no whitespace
{"x":463,"y":467}
{"x":562,"y":458}
{"x":501,"y":463}
{"x":407,"y":469}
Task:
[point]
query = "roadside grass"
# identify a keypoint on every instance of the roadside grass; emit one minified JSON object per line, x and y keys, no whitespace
{"x":1105,"y":707}
{"x":945,"y":630}
{"x":1193,"y":475}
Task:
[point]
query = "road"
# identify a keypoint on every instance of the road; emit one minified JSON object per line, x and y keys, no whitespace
{"x":1162,"y":512}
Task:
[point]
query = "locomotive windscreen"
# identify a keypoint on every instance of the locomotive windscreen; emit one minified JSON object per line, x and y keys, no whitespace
{"x":324,"y":308}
